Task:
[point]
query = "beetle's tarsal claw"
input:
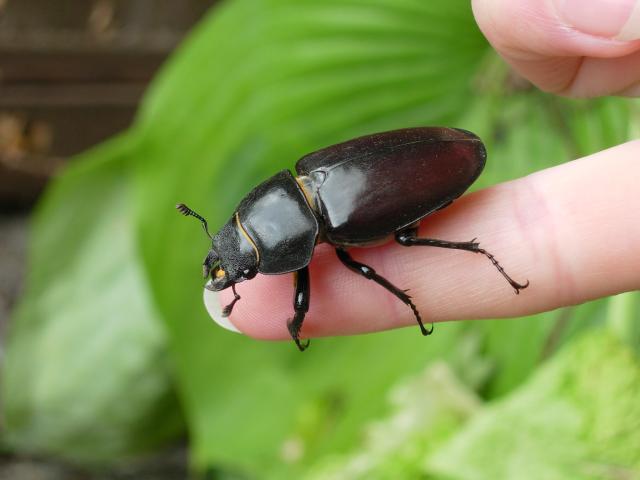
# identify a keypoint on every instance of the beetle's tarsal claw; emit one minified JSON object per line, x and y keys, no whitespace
{"x":302,"y":346}
{"x":426,"y":332}
{"x":518,"y":286}
{"x":294,"y":325}
{"x":416,"y":313}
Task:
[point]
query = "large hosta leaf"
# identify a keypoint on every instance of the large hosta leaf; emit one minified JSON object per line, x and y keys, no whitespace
{"x":578,"y":418}
{"x":294,"y":76}
{"x":86,"y":375}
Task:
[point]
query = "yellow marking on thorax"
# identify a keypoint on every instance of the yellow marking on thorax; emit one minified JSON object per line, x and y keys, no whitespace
{"x":307,"y":194}
{"x":246,"y":235}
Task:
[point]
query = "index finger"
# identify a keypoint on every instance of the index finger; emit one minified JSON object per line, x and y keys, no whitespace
{"x":571,"y":230}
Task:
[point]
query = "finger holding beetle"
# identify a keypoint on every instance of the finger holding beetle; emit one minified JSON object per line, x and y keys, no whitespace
{"x":571,"y":230}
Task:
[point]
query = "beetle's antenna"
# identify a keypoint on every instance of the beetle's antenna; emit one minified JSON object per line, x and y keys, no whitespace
{"x":186,"y":211}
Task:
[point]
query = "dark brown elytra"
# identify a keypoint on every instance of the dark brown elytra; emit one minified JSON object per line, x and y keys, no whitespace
{"x":364,"y":192}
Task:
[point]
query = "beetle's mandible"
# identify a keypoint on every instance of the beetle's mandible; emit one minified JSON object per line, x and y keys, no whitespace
{"x":363,"y":192}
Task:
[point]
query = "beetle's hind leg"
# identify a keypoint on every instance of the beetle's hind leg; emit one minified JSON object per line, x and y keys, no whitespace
{"x":300,"y":306}
{"x":409,"y":237}
{"x":369,"y":273}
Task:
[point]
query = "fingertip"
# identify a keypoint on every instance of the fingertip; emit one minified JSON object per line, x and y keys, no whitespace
{"x":214,"y":309}
{"x":263,"y":299}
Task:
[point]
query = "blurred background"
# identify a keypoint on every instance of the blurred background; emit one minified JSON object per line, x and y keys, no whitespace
{"x":112,"y":111}
{"x":71,"y":75}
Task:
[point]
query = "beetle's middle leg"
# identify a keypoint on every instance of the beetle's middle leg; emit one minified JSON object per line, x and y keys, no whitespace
{"x":300,"y":306}
{"x":369,"y":273}
{"x":409,"y":237}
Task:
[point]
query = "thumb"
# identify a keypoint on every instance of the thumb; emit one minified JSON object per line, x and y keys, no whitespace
{"x":570,"y":47}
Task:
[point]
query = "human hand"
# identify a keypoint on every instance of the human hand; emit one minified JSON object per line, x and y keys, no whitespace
{"x":571,"y":230}
{"x":569,"y":47}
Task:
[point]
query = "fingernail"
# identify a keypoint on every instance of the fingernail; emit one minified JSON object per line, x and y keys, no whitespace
{"x":619,"y":19}
{"x":212,"y":304}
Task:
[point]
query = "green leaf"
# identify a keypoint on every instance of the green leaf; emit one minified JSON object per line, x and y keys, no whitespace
{"x":85,"y":374}
{"x":311,"y":74}
{"x":257,"y":85}
{"x":426,"y":410}
{"x":579,"y":418}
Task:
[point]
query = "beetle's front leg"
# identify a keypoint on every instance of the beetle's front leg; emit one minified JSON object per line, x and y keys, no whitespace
{"x":300,"y":306}
{"x":226,"y":311}
{"x":409,"y":237}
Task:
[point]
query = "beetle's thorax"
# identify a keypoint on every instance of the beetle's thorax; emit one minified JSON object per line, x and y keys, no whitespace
{"x":278,"y":220}
{"x":247,"y":237}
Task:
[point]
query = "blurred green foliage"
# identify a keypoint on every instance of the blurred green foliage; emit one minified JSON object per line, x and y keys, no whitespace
{"x":86,"y":373}
{"x":577,"y":418}
{"x":112,"y":324}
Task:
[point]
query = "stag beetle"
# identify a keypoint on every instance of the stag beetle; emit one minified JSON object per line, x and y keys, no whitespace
{"x":362,"y":192}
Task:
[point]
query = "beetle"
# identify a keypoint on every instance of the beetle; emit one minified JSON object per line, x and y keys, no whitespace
{"x":363,"y":192}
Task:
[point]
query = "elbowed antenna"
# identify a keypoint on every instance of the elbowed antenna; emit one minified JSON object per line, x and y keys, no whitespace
{"x":186,"y":211}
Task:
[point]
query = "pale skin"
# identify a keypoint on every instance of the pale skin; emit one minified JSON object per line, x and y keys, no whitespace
{"x":573,"y":231}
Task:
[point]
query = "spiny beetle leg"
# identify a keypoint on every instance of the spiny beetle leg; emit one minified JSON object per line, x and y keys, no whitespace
{"x":369,"y":273}
{"x":300,"y":306}
{"x":408,"y":238}
{"x":294,"y":325}
{"x":226,"y":311}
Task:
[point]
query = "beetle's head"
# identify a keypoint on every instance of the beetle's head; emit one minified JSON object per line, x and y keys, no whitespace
{"x":211,"y":263}
{"x":220,"y":278}
{"x":230,"y":260}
